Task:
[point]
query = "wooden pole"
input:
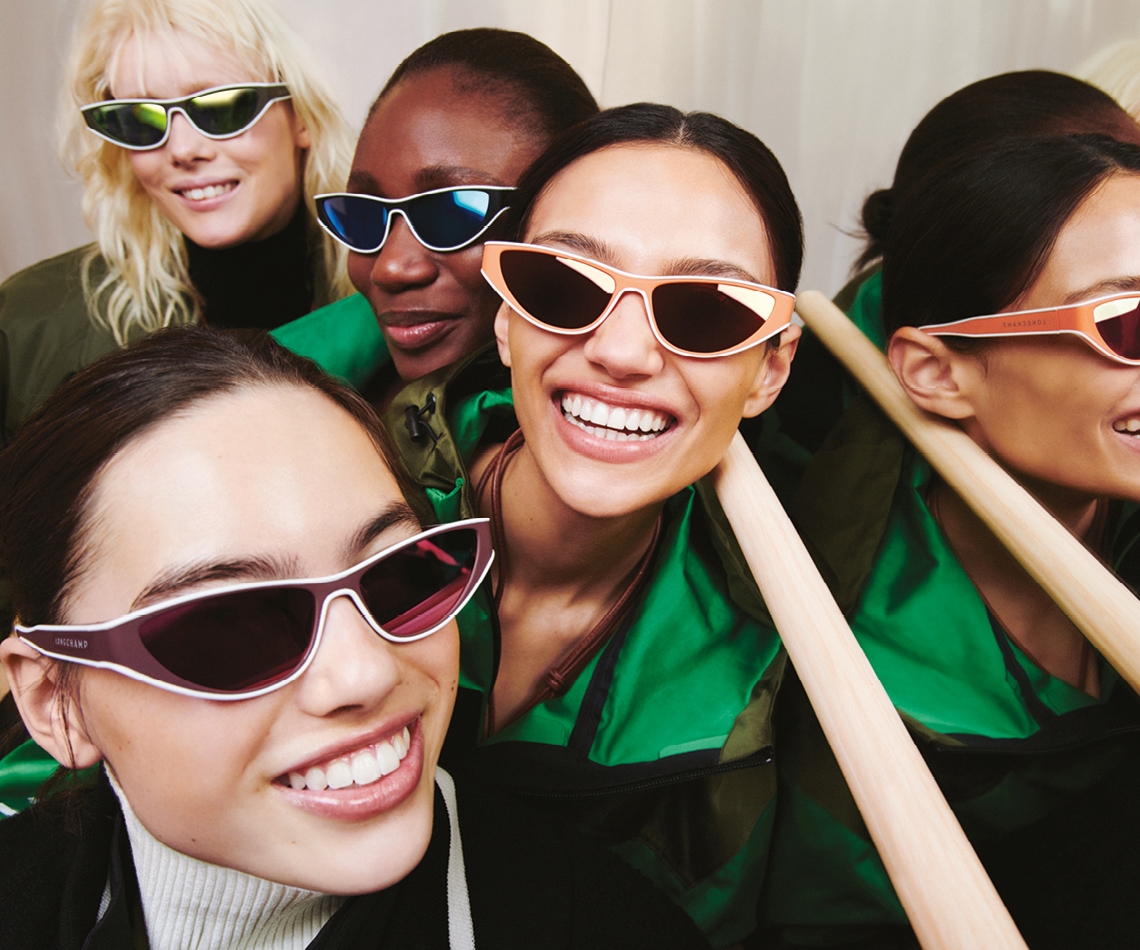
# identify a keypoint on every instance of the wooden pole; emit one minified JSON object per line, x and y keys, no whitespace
{"x":1103,"y":609}
{"x":945,"y":891}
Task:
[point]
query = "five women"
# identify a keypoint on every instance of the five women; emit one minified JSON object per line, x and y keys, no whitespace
{"x":618,"y":669}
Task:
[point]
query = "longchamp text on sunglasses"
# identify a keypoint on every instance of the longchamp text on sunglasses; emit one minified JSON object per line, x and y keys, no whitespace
{"x":246,"y":640}
{"x":1111,"y":325}
{"x":691,"y":316}
{"x":220,"y":112}
{"x":446,"y":219}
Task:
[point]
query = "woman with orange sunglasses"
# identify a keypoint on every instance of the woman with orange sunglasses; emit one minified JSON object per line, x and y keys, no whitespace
{"x":1011,"y":287}
{"x":622,"y":667}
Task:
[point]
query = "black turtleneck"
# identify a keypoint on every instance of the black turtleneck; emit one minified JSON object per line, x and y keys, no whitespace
{"x":259,"y":284}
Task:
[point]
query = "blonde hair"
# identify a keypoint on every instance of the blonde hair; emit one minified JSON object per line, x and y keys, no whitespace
{"x":146,"y":284}
{"x":1116,"y":70}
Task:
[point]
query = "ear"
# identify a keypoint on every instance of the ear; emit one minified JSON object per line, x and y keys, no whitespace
{"x":773,"y":373}
{"x":502,"y":326}
{"x":33,"y":679}
{"x":301,"y":137}
{"x":935,"y":377}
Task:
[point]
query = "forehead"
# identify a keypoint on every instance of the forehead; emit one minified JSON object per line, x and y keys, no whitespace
{"x":1097,"y":251}
{"x":654,"y":204}
{"x":428,"y":122}
{"x":266,"y":471}
{"x":170,"y":63}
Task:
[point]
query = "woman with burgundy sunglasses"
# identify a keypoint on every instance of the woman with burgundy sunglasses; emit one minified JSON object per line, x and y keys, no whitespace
{"x":200,"y":132}
{"x":620,"y":668}
{"x":1011,"y":297}
{"x":229,"y":613}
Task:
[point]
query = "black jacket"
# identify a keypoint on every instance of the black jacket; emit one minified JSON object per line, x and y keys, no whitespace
{"x":531,"y":884}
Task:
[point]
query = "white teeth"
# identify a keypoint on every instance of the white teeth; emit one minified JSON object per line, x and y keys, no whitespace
{"x":363,"y":768}
{"x":1131,"y":426}
{"x":387,"y":759}
{"x":613,"y":423}
{"x":208,"y":191}
{"x":339,"y":774}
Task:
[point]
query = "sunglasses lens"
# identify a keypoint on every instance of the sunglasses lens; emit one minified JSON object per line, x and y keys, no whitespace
{"x":224,"y":112}
{"x":355,"y":220}
{"x":553,"y":292}
{"x":450,"y":219}
{"x":131,"y":123}
{"x":1121,"y":332}
{"x":236,"y":641}
{"x":704,"y":318}
{"x":422,"y":585}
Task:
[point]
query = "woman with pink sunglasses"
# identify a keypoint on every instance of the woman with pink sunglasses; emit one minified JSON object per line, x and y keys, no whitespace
{"x":231,"y":618}
{"x":621,"y":668}
{"x":1011,"y":296}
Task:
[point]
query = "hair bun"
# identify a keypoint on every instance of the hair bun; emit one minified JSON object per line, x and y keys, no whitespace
{"x":878,"y":210}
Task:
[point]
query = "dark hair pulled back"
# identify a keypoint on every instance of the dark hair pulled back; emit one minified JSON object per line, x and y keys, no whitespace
{"x":49,"y":471}
{"x":1032,"y":102}
{"x":973,"y":234}
{"x":749,"y":159}
{"x":536,"y":84}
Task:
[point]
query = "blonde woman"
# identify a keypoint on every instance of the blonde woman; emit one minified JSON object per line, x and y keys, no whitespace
{"x":201,"y":135}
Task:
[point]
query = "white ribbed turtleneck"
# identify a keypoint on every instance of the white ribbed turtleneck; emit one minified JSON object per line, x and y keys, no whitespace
{"x":192,"y":905}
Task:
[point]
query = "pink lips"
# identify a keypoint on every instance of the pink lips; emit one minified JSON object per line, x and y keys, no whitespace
{"x":360,"y":802}
{"x":413,"y":331}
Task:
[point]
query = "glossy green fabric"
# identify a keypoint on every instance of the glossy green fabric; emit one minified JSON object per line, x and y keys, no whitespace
{"x":342,"y":337}
{"x":685,"y":688}
{"x":1008,"y":743}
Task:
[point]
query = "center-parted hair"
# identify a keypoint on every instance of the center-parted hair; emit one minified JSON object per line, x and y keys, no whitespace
{"x":750,"y":160}
{"x":973,"y":234}
{"x":49,"y":472}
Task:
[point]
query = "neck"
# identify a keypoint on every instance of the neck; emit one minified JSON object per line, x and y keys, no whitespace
{"x":258,"y":284}
{"x":589,"y":553}
{"x":187,"y":902}
{"x":1026,"y":612}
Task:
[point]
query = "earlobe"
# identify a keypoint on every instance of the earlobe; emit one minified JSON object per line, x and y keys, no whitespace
{"x":502,"y":336}
{"x":773,"y":374}
{"x":52,"y":721}
{"x":932,"y":374}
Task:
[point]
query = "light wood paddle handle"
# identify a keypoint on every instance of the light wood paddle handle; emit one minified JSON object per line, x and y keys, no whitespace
{"x":945,"y":891}
{"x":1103,"y":609}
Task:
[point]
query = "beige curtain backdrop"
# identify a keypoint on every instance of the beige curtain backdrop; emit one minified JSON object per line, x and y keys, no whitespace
{"x":832,"y":86}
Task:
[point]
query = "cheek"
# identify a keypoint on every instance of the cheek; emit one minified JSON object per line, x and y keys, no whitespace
{"x":147,"y":167}
{"x":466,"y":267}
{"x":360,"y":270}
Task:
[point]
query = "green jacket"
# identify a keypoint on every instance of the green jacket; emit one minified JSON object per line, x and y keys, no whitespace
{"x":46,"y":334}
{"x":662,"y":745}
{"x":1009,"y":744}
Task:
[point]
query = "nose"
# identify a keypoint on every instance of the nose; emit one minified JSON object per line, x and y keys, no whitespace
{"x":624,"y":345}
{"x":185,"y":144}
{"x":403,"y":262}
{"x":353,"y":668}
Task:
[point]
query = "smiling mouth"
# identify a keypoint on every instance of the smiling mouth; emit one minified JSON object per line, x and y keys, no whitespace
{"x":614,"y":423}
{"x":1127,"y":426}
{"x":360,"y":768}
{"x":207,"y":191}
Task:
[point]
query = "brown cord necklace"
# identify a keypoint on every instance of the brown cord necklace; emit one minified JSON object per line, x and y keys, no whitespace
{"x":560,"y":677}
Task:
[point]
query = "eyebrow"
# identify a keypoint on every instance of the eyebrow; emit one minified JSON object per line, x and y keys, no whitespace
{"x":397,"y":514}
{"x":178,"y":579}
{"x":258,"y":568}
{"x":1104,"y":287}
{"x":599,"y":250}
{"x":426,"y":179}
